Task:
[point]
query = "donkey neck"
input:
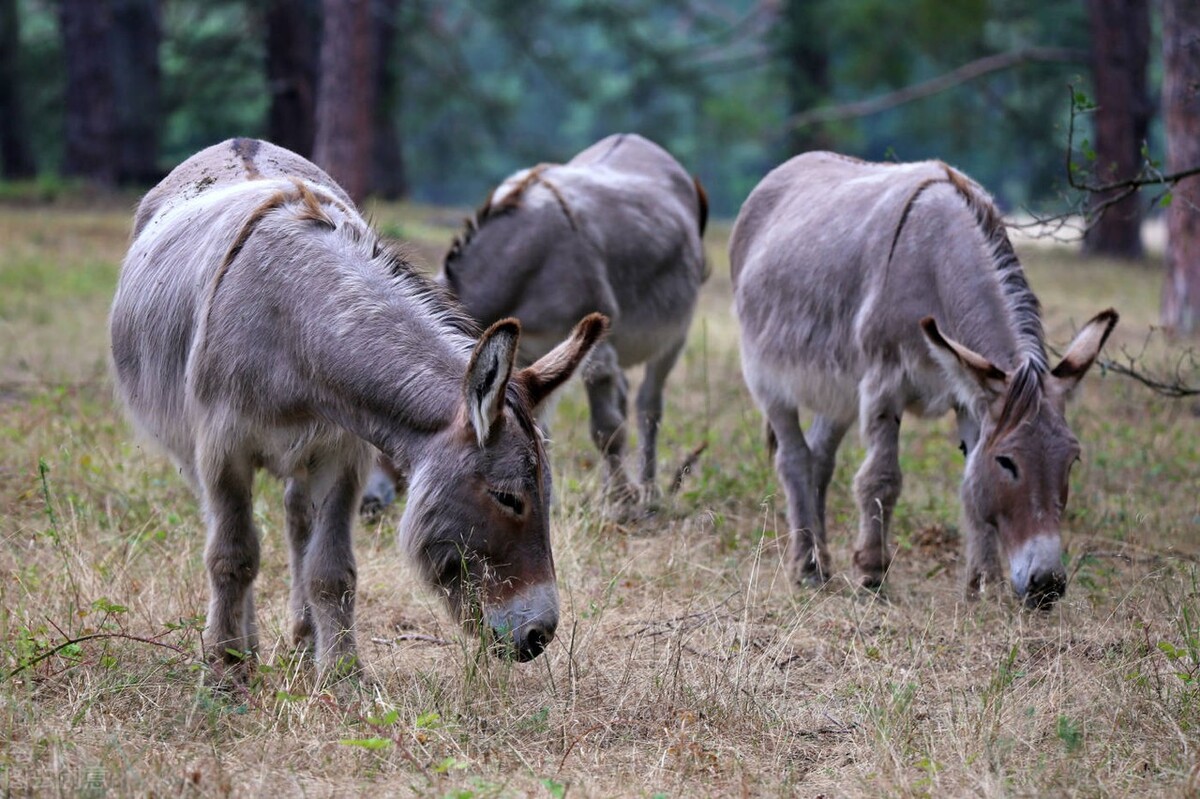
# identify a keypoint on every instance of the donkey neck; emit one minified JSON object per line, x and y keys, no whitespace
{"x":986,"y":301}
{"x":387,"y":354}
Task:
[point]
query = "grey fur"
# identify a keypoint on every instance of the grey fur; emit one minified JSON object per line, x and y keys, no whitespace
{"x":835,"y":264}
{"x":617,"y":230}
{"x":259,"y":323}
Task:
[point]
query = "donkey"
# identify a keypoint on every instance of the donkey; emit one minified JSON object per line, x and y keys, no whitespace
{"x":259,"y":323}
{"x":615,"y":230}
{"x":864,"y":290}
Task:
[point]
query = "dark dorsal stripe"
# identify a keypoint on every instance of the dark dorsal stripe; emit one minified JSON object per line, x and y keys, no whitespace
{"x":247,"y":149}
{"x":1025,"y":310}
{"x":510,"y":202}
{"x":613,"y":147}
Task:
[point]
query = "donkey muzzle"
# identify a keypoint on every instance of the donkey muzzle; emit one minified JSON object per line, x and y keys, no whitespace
{"x":524,"y":625}
{"x":1038,"y":576}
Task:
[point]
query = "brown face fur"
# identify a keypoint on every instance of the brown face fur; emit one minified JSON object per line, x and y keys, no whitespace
{"x":1016,"y":484}
{"x":478,"y":515}
{"x":1017,"y":476}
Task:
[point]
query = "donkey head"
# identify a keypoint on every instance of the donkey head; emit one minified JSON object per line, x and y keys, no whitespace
{"x":1018,"y":468}
{"x":478,"y":514}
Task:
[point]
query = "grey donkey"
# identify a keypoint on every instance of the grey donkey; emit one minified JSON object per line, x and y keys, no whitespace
{"x":616,"y":230}
{"x":865,"y":290}
{"x":260,"y":323}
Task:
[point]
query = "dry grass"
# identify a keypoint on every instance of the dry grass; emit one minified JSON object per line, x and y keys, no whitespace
{"x":684,"y":666}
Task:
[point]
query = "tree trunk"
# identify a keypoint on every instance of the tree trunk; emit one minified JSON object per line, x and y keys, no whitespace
{"x":806,"y":70}
{"x":1181,"y":108}
{"x":90,"y":111}
{"x":16,"y":156}
{"x":346,"y":95}
{"x":387,"y":175}
{"x":137,"y":81}
{"x":293,"y":41}
{"x":1120,"y":48}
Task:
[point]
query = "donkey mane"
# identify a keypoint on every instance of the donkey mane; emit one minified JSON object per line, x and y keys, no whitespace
{"x":510,"y":202}
{"x":1021,"y":399}
{"x":1025,"y":312}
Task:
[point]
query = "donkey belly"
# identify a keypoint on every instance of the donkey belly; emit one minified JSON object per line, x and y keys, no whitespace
{"x":789,"y":379}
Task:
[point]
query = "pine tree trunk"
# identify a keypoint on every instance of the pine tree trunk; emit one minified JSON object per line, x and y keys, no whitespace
{"x":16,"y":156}
{"x":345,"y":98}
{"x":387,"y":175}
{"x":1120,"y":49}
{"x":293,"y":53}
{"x":806,"y":70}
{"x":90,"y":111}
{"x":137,"y":81}
{"x":1181,"y":107}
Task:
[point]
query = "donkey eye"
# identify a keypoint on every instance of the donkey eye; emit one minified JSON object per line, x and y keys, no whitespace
{"x":1008,"y":465}
{"x":510,"y":501}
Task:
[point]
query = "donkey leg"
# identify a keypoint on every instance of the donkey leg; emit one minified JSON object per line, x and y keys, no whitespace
{"x":983,"y":570}
{"x":298,"y":513}
{"x":807,"y":556}
{"x":877,"y":487}
{"x":330,"y":575}
{"x":649,"y":409}
{"x":607,"y":399}
{"x":231,"y":555}
{"x":384,"y":484}
{"x":824,"y":437}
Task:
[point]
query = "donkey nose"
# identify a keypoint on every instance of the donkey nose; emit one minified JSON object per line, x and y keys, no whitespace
{"x":1046,"y":588}
{"x":534,"y":641}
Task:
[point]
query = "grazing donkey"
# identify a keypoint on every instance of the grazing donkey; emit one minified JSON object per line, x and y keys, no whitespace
{"x":864,"y":290}
{"x":259,"y":323}
{"x":615,"y":230}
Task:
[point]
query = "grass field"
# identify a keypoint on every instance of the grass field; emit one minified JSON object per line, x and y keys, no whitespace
{"x":685,"y":665}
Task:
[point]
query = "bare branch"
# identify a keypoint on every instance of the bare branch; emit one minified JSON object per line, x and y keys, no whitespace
{"x":1086,"y":210}
{"x":967,"y":72}
{"x":1175,"y":385}
{"x":1148,"y":175}
{"x":51,"y":652}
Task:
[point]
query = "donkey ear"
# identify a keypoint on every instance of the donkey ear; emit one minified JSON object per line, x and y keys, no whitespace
{"x":556,"y":367}
{"x":973,"y":376}
{"x":487,"y":376}
{"x":1084,"y":349}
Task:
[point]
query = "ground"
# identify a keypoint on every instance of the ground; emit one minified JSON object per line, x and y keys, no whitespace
{"x":685,"y":664}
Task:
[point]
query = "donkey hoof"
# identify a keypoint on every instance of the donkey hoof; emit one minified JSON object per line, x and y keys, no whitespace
{"x":872,"y":567}
{"x":810,"y":576}
{"x":230,"y":672}
{"x":871,"y":583}
{"x":622,"y":495}
{"x":380,"y":492}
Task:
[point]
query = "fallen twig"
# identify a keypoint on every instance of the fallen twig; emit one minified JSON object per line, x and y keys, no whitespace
{"x":429,"y":639}
{"x":49,"y":653}
{"x":685,"y":468}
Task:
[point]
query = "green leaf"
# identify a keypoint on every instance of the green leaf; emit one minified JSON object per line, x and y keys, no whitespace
{"x":1069,"y":733}
{"x":557,"y":789}
{"x":366,"y":743}
{"x":104,"y":605}
{"x":1165,"y":201}
{"x":448,"y":764}
{"x":429,"y":721}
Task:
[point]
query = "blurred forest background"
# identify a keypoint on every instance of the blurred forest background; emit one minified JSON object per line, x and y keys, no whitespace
{"x":438,"y":100}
